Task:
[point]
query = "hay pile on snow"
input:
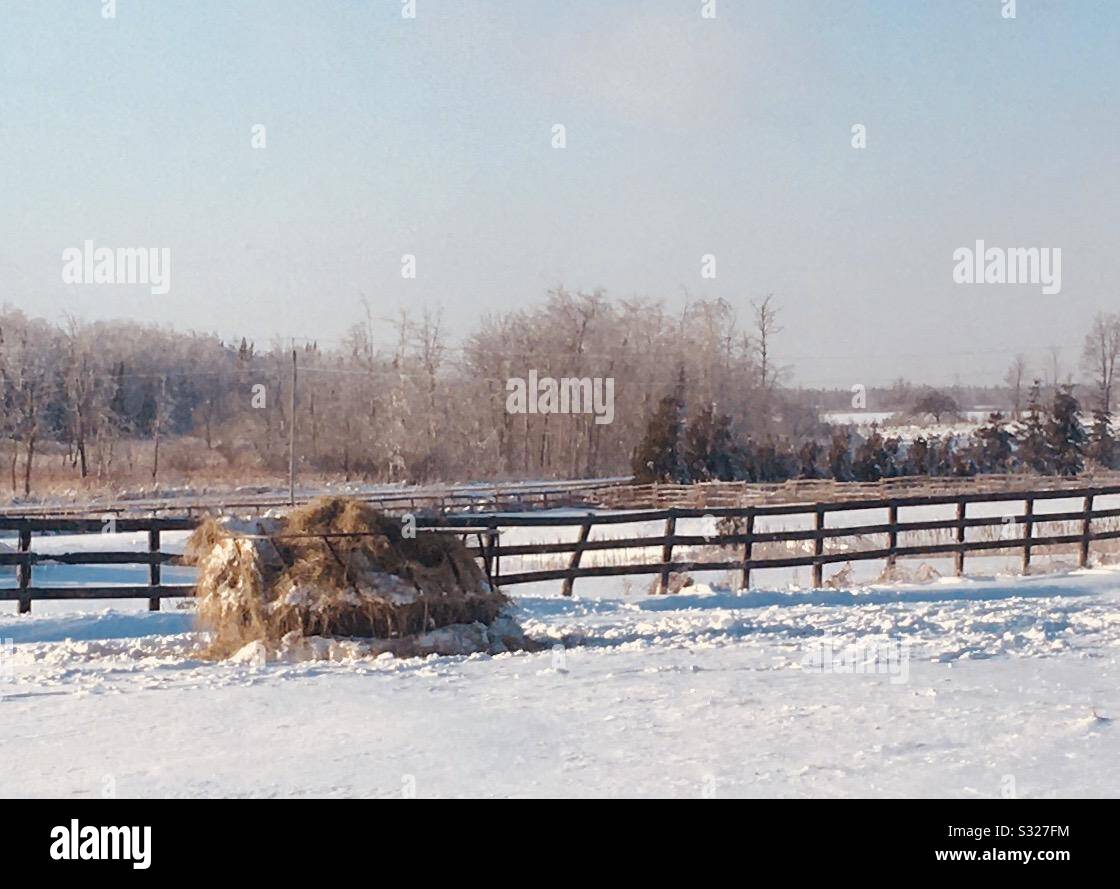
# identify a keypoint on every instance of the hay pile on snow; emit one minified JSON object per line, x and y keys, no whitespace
{"x":338,"y":568}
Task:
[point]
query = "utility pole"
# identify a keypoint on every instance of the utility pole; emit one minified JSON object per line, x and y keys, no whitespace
{"x":292,"y":435}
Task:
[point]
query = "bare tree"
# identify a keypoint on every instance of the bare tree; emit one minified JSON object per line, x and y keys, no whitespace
{"x":24,"y":368}
{"x":936,"y":404}
{"x":430,"y":351}
{"x":1055,"y":354}
{"x":124,"y":399}
{"x":1099,"y":355}
{"x":1014,"y":377}
{"x":86,"y":384}
{"x":162,"y":415}
{"x":766,"y":327}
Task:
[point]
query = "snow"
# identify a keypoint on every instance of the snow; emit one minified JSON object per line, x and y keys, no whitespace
{"x":991,"y":686}
{"x":895,"y":424}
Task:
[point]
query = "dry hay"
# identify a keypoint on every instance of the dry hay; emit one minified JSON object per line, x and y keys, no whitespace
{"x":267,"y":579}
{"x":677,"y":581}
{"x":898,"y":573}
{"x":842,"y":579}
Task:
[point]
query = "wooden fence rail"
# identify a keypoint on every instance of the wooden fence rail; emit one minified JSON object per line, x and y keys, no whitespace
{"x":816,"y":537}
{"x":736,"y":548}
{"x":430,"y":498}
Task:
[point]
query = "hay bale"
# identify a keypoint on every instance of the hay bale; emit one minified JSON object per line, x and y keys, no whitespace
{"x":503,"y":635}
{"x":333,"y":568}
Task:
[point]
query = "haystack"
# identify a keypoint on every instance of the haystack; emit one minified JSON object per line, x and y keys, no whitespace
{"x":338,"y":568}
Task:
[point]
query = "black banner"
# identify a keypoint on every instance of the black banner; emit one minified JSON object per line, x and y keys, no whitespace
{"x":161,"y":837}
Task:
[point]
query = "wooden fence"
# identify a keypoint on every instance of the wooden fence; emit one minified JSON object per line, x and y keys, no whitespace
{"x":729,"y":494}
{"x":488,"y":529}
{"x":25,"y":558}
{"x":818,"y":537}
{"x":426,"y":498}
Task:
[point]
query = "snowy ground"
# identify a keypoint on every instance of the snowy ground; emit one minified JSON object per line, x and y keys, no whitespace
{"x":976,"y":688}
{"x":892,"y":423}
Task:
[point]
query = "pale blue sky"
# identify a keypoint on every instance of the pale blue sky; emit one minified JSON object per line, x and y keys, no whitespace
{"x":685,"y":136}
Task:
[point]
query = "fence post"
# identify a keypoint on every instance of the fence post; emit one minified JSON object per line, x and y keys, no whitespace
{"x":748,"y":547}
{"x":892,"y":536}
{"x":24,"y":571}
{"x":153,"y":567}
{"x":486,"y":538}
{"x":496,"y":555}
{"x":483,"y":537}
{"x":1028,"y":532}
{"x":1086,"y":532}
{"x":667,"y":551}
{"x":818,"y":550}
{"x":584,"y":533}
{"x":958,"y":561}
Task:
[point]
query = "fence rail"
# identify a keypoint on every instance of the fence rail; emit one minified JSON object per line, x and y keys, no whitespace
{"x":429,"y":498}
{"x":731,"y":494}
{"x":819,"y":535}
{"x":742,"y":538}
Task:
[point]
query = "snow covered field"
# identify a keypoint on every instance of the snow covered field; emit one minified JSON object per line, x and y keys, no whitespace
{"x":976,"y":688}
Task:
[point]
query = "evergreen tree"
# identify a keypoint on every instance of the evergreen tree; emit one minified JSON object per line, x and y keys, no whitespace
{"x":1065,"y":435}
{"x":962,"y":463}
{"x":769,"y":467}
{"x":1102,"y":443}
{"x":748,"y":461}
{"x":1034,"y":449}
{"x":873,"y":460}
{"x":724,"y":460}
{"x":787,"y":465}
{"x":941,"y":455}
{"x":709,"y":448}
{"x":917,"y":460}
{"x":698,"y":446}
{"x":658,"y":456}
{"x":892,"y":447}
{"x":840,"y":456}
{"x":992,"y":445}
{"x":808,"y":459}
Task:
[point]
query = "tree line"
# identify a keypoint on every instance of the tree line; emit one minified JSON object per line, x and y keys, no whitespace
{"x":1050,"y":439}
{"x":394,"y":400}
{"x":400,"y":400}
